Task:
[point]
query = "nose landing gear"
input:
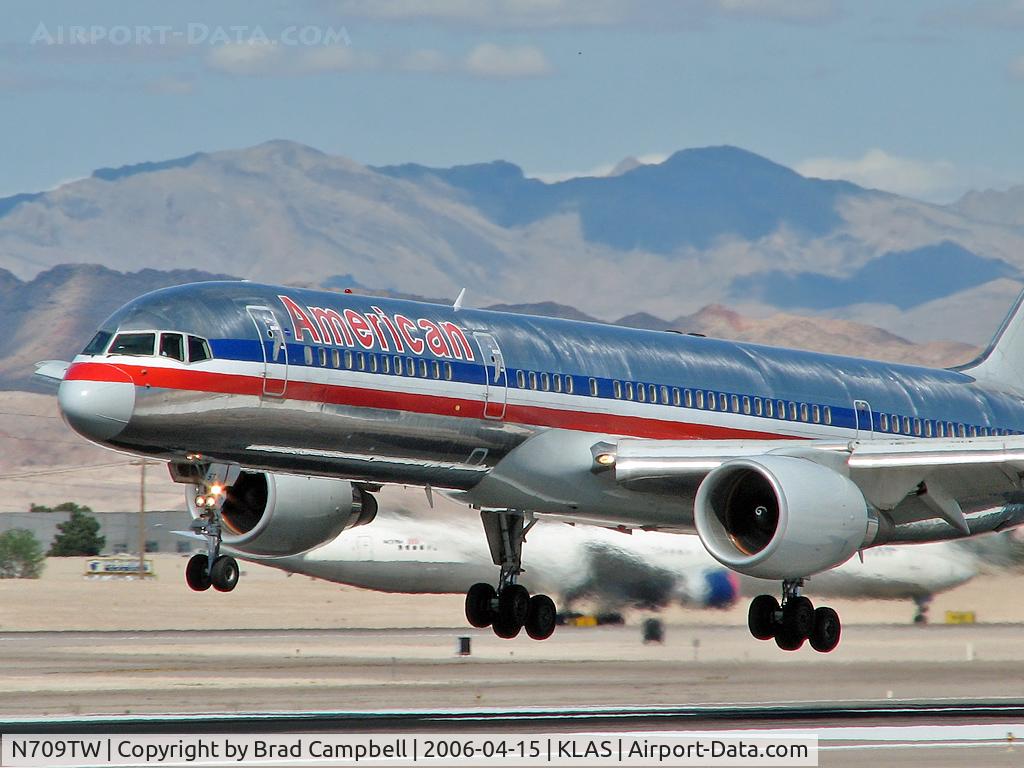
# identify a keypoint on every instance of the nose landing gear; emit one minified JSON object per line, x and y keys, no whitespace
{"x":509,"y":608}
{"x":794,"y":621}
{"x":212,"y":568}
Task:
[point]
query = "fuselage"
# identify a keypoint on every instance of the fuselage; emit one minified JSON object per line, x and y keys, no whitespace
{"x":384,"y":390}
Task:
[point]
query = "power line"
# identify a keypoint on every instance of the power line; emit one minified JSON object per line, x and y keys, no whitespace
{"x":63,"y":470}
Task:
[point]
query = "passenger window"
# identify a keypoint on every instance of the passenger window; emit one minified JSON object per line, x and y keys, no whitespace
{"x":307,"y":355}
{"x":895,"y":424}
{"x":348,"y":359}
{"x":335,"y":358}
{"x":803,"y":412}
{"x":688,"y":398}
{"x":700,"y":399}
{"x":758,"y":406}
{"x":723,"y":402}
{"x":746,"y":405}
{"x":437,"y":370}
{"x":961,"y":430}
{"x":423,"y":368}
{"x":617,"y":389}
{"x":712,"y":401}
{"x":398,"y":365}
{"x":98,"y":343}
{"x":323,"y":357}
{"x":448,"y":371}
{"x":641,"y":393}
{"x":828,"y":415}
{"x":906,"y":425}
{"x":883,"y":422}
{"x":520,"y":379}
{"x":816,"y":414}
{"x":545,"y":382}
{"x":769,"y":408}
{"x":556,"y":380}
{"x":629,"y":390}
{"x":664,"y":395}
{"x":133,"y":344}
{"x":593,"y":387}
{"x":676,"y":396}
{"x":652,"y":393}
{"x":940,"y":429}
{"x":568,"y":385}
{"x":373,"y":363}
{"x":361,"y":359}
{"x":172,"y":345}
{"x":385,"y":364}
{"x":410,"y":367}
{"x":917,"y":427}
{"x":735,"y":403}
{"x":792,"y":412}
{"x":928,"y":428}
{"x":780,"y":408}
{"x":533,"y":380}
{"x":974,"y":431}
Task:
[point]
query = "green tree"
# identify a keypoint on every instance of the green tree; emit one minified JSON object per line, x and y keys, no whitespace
{"x":21,"y":555}
{"x":78,"y":536}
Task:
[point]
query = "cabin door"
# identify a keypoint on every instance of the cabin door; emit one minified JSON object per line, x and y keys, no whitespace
{"x":275,"y":351}
{"x":496,"y":380}
{"x":865,"y":422}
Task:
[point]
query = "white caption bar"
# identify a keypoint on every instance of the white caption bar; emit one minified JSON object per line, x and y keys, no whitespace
{"x":614,"y":749}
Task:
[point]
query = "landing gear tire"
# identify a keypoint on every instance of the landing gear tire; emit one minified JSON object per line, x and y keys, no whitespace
{"x":513,"y":607}
{"x":541,"y":617}
{"x":224,"y":574}
{"x":761,"y":617}
{"x":197,"y":575}
{"x":827,"y":630}
{"x":797,"y":623}
{"x":479,"y":601}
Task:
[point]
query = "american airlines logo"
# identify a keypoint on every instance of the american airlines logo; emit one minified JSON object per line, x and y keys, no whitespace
{"x":377,"y":330}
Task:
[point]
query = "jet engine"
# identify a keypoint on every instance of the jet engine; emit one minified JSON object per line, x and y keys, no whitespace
{"x":780,"y":517}
{"x":268,"y":514}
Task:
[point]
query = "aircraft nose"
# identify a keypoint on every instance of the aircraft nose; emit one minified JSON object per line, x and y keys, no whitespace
{"x":98,"y":410}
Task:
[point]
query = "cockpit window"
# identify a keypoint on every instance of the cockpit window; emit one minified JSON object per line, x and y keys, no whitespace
{"x":133,"y":344}
{"x":198,"y":349}
{"x":173,"y":346}
{"x":98,"y":343}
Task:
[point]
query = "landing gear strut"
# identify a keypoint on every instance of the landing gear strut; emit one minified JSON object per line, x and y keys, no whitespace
{"x":509,"y":608}
{"x":212,"y":568}
{"x":923,"y":603}
{"x":794,"y":620}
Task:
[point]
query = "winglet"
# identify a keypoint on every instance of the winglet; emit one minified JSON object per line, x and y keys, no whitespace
{"x":54,"y":370}
{"x":458,"y":301}
{"x":1002,"y":363}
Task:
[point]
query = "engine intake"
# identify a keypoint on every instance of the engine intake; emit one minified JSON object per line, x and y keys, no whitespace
{"x":780,"y":517}
{"x":268,"y":514}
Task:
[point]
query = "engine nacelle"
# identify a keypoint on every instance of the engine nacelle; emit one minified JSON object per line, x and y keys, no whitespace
{"x":267,"y":514}
{"x":780,"y":517}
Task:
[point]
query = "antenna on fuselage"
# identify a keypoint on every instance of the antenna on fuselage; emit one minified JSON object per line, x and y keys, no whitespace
{"x":458,"y":301}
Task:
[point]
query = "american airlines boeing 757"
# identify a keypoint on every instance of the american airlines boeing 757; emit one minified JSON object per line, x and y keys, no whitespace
{"x":283,"y":409}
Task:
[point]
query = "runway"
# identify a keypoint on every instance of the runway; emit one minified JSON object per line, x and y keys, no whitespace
{"x":887,"y":687}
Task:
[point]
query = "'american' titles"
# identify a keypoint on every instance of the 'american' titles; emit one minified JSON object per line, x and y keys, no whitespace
{"x":376,"y":329}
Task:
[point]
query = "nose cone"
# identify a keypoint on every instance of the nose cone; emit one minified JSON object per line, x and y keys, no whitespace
{"x":98,"y":410}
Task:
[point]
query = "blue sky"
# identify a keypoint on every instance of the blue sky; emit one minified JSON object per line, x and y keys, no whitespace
{"x":923,"y":98}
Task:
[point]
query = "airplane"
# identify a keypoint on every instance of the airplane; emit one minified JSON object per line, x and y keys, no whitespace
{"x":646,"y":570}
{"x":284,"y":409}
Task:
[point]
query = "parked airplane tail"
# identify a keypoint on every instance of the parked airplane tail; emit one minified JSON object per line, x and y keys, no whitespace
{"x":1001,"y":365}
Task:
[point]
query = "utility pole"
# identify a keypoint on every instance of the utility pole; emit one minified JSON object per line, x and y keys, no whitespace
{"x":142,"y":519}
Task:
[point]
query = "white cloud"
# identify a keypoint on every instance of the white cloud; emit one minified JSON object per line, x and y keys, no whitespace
{"x":604,"y":169}
{"x":934,"y":180}
{"x":250,"y":58}
{"x":490,"y":60}
{"x":1016,"y":68}
{"x":171,"y":85}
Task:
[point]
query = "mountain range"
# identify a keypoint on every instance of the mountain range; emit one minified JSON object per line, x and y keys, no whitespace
{"x":708,"y":225}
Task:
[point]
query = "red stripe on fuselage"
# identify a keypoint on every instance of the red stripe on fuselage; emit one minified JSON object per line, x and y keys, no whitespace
{"x":192,"y":380}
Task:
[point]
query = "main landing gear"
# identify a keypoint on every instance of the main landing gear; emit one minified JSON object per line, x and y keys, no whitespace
{"x":212,"y":569}
{"x":794,"y":621}
{"x":509,"y":608}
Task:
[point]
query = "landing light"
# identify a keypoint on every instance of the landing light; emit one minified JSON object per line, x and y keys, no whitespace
{"x":211,"y":501}
{"x":216,"y":489}
{"x":200,"y":501}
{"x":605,"y":459}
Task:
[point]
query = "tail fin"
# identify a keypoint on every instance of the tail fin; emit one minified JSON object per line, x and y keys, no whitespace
{"x":1002,"y":363}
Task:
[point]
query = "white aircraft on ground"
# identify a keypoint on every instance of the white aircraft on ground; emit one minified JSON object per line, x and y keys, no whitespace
{"x":605,"y":568}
